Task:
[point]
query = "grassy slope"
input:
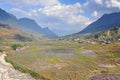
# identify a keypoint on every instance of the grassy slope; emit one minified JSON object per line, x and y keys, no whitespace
{"x":8,"y":33}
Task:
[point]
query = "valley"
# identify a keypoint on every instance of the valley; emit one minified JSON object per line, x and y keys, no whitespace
{"x":31,"y":52}
{"x":65,"y":60}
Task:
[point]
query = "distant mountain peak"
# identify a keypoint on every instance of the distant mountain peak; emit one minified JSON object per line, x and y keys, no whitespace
{"x":107,"y":21}
{"x":27,"y":19}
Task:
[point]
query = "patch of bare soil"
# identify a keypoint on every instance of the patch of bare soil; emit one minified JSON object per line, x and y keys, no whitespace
{"x":88,"y":53}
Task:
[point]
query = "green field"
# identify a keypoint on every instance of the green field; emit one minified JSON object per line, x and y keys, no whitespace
{"x":64,"y":60}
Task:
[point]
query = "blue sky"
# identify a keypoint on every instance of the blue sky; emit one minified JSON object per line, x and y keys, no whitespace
{"x":61,"y":16}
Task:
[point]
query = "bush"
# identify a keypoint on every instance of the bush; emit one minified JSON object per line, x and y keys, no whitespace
{"x":15,"y":46}
{"x":112,"y":55}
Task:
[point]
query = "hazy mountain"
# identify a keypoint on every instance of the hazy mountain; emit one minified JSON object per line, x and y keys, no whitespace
{"x":8,"y":18}
{"x":107,"y":21}
{"x":49,"y":33}
{"x":25,"y":24}
{"x":31,"y":26}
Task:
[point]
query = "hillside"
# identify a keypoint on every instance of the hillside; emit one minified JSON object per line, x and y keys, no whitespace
{"x":8,"y":33}
{"x":25,"y":24}
{"x":107,"y":21}
{"x":111,"y":34}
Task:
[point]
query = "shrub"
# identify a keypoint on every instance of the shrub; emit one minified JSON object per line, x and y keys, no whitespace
{"x":15,"y":46}
{"x":112,"y":55}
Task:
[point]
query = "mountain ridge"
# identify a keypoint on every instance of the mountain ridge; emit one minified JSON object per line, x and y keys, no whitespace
{"x":25,"y":24}
{"x":107,"y":21}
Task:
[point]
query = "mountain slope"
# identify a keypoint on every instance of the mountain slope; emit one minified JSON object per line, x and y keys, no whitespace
{"x":107,"y":21}
{"x":25,"y":24}
{"x":8,"y":33}
{"x":111,"y":34}
{"x":8,"y":18}
{"x":49,"y":33}
{"x":31,"y":26}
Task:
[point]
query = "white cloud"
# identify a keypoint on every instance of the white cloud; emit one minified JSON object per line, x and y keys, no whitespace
{"x":99,"y":2}
{"x":68,"y":13}
{"x":21,"y":3}
{"x":21,"y":12}
{"x":109,"y":5}
{"x":113,"y":3}
{"x":95,"y":14}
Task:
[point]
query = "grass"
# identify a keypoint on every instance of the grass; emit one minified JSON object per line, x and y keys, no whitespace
{"x":80,"y":56}
{"x":25,"y":70}
{"x":60,"y":64}
{"x":53,"y":59}
{"x":111,"y":55}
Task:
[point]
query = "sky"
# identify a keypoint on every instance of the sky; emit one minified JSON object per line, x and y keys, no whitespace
{"x":63,"y":17}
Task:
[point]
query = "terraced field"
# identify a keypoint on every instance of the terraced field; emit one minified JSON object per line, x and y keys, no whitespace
{"x":61,"y":60}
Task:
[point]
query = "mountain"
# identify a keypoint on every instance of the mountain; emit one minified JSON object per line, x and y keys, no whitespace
{"x":31,"y":26}
{"x":107,"y":21}
{"x":49,"y":33}
{"x":25,"y":24}
{"x":8,"y":18}
{"x":106,"y":35}
{"x":8,"y":33}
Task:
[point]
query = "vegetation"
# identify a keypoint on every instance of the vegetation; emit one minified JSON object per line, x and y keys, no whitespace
{"x":108,"y":35}
{"x":63,"y":59}
{"x":25,"y":70}
{"x":15,"y":46}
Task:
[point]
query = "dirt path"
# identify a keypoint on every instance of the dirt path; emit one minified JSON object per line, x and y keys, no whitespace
{"x":7,"y":72}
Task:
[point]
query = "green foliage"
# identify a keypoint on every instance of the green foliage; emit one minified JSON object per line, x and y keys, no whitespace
{"x":83,"y":77}
{"x":53,"y":59}
{"x":112,"y":55}
{"x":15,"y":46}
{"x":25,"y":70}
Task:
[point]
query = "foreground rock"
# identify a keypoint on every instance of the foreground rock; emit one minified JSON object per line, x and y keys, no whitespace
{"x":7,"y":72}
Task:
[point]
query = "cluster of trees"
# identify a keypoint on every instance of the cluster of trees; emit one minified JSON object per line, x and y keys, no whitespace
{"x":112,"y":34}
